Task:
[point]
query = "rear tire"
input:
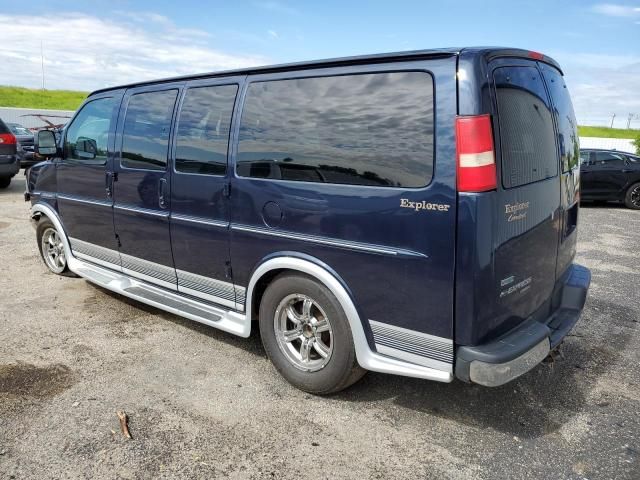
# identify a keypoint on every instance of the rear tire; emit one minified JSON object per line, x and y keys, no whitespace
{"x":5,"y":182}
{"x":52,"y":249}
{"x":632,"y":198}
{"x":307,"y":335}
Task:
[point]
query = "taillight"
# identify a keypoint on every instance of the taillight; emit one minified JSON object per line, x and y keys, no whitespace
{"x":7,"y":139}
{"x":536,"y":55}
{"x":476,"y":167}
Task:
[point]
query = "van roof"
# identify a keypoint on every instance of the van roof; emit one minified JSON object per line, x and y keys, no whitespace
{"x":488,"y":52}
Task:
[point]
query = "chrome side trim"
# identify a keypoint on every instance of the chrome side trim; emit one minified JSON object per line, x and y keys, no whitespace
{"x":367,"y":358}
{"x":203,"y":221}
{"x":229,"y":321}
{"x":364,"y":247}
{"x":149,"y":271}
{"x":95,"y":253}
{"x":224,"y":293}
{"x":144,"y":211}
{"x":175,"y":303}
{"x":91,"y":201}
{"x":412,"y":346}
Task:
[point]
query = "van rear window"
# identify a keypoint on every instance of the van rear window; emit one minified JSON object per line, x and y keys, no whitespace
{"x":366,"y":129}
{"x":527,"y":140}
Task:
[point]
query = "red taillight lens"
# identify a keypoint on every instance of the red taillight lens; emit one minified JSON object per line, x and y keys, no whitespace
{"x":7,"y":139}
{"x":536,"y":55}
{"x":476,"y":160}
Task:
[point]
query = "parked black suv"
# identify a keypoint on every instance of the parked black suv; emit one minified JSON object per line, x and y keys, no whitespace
{"x":610,"y":175}
{"x":9,"y":162}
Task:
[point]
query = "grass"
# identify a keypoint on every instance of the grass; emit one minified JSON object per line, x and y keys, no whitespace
{"x":46,"y":99}
{"x":607,"y":132}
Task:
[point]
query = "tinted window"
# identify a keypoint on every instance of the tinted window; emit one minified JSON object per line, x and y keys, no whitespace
{"x":633,"y":158}
{"x":145,"y":140}
{"x":608,"y":157}
{"x":203,"y":129}
{"x":526,"y":126}
{"x":374,"y":129}
{"x":4,"y":128}
{"x":88,"y":135}
{"x":565,"y":118}
{"x":584,"y":157}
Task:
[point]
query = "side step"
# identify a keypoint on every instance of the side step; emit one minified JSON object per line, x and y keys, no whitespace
{"x":217,"y":317}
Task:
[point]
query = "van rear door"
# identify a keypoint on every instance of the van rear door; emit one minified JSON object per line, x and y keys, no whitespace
{"x":528,"y":192}
{"x":569,"y":149}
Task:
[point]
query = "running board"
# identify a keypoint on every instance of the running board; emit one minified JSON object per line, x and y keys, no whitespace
{"x":217,"y":317}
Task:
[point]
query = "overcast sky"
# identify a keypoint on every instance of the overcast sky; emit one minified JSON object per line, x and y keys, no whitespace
{"x":88,"y":45}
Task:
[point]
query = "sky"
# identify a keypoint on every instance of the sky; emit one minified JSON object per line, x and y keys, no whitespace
{"x":96,"y":43}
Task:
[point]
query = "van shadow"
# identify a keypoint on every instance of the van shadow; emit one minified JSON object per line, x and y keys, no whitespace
{"x":253,"y":344}
{"x":537,"y":404}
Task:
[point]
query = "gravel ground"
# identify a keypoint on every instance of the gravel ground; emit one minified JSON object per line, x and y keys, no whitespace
{"x":203,"y":403}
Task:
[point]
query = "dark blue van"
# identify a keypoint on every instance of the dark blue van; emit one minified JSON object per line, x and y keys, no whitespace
{"x":410,"y":213}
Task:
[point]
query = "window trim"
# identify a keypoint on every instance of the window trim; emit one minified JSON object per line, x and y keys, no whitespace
{"x":179,"y":87}
{"x":342,"y":71}
{"x":77,"y":161}
{"x":496,"y":121}
{"x":200,"y":84}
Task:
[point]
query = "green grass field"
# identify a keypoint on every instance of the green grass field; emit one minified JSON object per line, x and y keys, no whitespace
{"x":46,"y":99}
{"x":607,"y":132}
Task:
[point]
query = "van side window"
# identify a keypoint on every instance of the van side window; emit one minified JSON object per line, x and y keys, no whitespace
{"x":527,"y":138}
{"x":88,"y":134}
{"x":203,"y":129}
{"x":365,"y":129}
{"x":565,"y":118}
{"x":147,"y":124}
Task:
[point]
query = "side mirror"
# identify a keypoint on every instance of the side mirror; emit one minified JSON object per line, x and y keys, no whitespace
{"x":86,"y":148}
{"x":46,"y":145}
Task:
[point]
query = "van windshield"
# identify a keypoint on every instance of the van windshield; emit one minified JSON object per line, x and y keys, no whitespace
{"x":527,"y":139}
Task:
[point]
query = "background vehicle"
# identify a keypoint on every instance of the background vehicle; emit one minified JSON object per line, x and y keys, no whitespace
{"x":609,"y":175}
{"x":411,"y":213}
{"x":25,"y":139}
{"x":9,"y":161}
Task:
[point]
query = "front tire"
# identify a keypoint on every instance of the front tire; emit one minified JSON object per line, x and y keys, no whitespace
{"x":52,"y":248}
{"x":5,"y":182}
{"x":307,"y":335}
{"x":632,"y":198}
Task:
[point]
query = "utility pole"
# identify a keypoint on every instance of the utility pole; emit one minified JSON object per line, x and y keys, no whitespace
{"x":42,"y":61}
{"x":613,"y":117}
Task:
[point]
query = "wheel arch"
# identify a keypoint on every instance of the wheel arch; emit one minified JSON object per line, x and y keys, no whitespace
{"x":39,"y":210}
{"x":315,"y":268}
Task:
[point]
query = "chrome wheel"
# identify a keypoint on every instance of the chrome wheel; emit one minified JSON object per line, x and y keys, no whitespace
{"x":303,"y":332}
{"x":635,"y":197}
{"x":53,"y":251}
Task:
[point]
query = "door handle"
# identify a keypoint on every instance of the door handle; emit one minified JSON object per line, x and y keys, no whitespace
{"x":108,"y":183}
{"x":162,"y":193}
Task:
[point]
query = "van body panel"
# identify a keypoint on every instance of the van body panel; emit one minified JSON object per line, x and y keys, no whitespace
{"x":511,"y":248}
{"x":141,"y":193}
{"x":398,"y":262}
{"x":83,"y":204}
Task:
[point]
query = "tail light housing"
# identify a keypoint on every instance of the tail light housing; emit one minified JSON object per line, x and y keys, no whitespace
{"x":7,"y":139}
{"x":476,"y":161}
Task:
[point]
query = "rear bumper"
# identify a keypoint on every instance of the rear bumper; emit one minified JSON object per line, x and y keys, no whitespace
{"x":9,"y":165}
{"x":518,"y":351}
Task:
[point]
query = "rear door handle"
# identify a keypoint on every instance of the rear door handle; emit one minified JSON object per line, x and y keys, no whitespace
{"x":162,"y":193}
{"x":108,"y":183}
